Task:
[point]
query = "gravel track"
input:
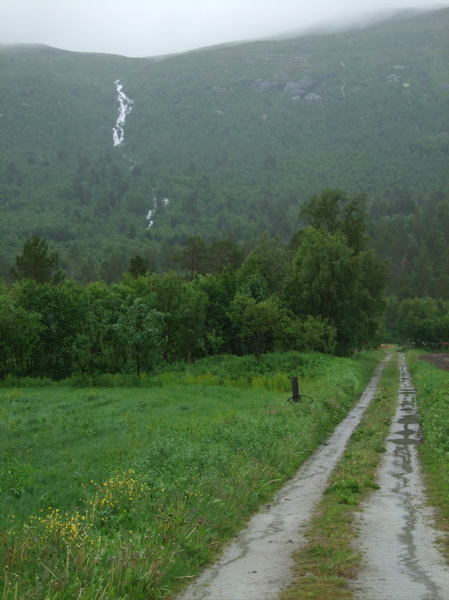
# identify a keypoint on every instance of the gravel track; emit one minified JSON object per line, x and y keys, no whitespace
{"x":396,"y":538}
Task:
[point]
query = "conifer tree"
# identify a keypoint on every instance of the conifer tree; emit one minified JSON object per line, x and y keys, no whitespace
{"x":36,"y":262}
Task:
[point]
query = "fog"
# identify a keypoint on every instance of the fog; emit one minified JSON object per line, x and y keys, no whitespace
{"x":156,"y":27}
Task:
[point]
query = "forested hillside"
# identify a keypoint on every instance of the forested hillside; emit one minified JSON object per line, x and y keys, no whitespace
{"x":225,"y":143}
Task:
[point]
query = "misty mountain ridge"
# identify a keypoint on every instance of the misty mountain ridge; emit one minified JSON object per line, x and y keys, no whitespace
{"x":361,"y":20}
{"x":234,"y":137}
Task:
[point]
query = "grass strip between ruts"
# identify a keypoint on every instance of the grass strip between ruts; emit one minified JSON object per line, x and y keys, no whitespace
{"x":328,"y":560}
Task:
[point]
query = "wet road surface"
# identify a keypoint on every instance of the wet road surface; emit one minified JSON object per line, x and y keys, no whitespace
{"x":397,"y":539}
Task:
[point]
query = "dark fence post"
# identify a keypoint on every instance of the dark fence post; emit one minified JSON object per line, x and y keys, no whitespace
{"x":296,"y":394}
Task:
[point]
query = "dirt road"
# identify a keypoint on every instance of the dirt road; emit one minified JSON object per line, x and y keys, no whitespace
{"x":396,"y":537}
{"x":258,"y":564}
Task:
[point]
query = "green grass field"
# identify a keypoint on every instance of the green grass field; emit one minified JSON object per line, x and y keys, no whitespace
{"x":128,"y":492}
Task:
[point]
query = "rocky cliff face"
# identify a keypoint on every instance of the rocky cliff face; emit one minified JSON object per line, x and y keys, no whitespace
{"x":296,"y":89}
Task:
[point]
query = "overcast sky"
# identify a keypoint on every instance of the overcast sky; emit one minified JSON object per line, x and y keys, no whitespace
{"x":154,"y":27}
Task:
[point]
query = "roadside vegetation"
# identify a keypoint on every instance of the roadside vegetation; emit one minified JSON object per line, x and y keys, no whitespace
{"x":114,"y":493}
{"x":328,"y":561}
{"x":432,"y":385}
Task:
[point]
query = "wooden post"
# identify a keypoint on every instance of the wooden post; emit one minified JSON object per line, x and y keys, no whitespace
{"x":296,"y":393}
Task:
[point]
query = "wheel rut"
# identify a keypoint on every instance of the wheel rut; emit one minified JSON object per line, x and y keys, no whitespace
{"x":397,"y":539}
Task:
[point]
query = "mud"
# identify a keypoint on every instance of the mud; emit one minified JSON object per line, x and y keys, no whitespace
{"x":397,"y":539}
{"x":259,"y":563}
{"x":439,"y":360}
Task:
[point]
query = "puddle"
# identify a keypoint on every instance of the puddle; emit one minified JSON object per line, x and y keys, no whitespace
{"x":409,"y":419}
{"x":405,"y":442}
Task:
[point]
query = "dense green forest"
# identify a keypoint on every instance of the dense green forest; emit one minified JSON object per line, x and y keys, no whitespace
{"x":412,"y":234}
{"x":228,"y":142}
{"x":324,"y":291}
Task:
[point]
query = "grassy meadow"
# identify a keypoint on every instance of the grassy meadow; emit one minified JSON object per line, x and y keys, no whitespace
{"x":127,"y":492}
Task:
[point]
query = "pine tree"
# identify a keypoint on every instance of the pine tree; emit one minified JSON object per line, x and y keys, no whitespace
{"x":36,"y":262}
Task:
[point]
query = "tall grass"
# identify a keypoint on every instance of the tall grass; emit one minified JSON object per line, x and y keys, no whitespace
{"x":432,"y":386}
{"x":128,"y":492}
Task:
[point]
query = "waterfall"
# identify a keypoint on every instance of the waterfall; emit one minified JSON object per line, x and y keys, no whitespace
{"x":152,"y":212}
{"x":125,"y":107}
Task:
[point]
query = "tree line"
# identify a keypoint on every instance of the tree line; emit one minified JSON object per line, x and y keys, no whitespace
{"x":323,"y":291}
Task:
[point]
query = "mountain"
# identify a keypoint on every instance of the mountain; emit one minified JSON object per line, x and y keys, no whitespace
{"x":223,"y":142}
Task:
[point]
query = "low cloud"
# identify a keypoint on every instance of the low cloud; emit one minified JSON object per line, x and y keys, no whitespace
{"x":154,"y":27}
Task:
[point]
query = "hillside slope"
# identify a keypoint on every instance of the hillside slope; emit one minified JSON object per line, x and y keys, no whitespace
{"x":224,"y":142}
